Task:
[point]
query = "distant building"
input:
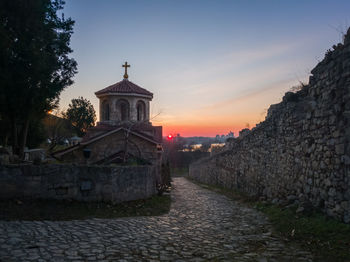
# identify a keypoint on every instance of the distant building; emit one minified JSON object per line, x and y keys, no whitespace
{"x":195,"y":147}
{"x":216,"y":148}
{"x":222,"y":138}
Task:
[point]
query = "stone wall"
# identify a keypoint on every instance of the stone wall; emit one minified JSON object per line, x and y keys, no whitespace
{"x":114,"y":111}
{"x":301,"y":153}
{"x":83,"y":183}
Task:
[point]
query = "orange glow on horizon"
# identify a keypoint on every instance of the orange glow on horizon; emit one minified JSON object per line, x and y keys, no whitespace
{"x":207,"y":131}
{"x":210,"y":126}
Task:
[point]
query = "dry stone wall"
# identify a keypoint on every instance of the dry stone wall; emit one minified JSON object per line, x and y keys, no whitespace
{"x":301,"y":152}
{"x":83,"y":183}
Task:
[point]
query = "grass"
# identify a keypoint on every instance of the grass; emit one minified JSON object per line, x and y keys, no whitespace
{"x":70,"y":210}
{"x":230,"y":193}
{"x":326,"y":238}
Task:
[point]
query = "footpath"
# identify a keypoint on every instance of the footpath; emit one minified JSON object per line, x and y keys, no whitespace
{"x":201,"y":226}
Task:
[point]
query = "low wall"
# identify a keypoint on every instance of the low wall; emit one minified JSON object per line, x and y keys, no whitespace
{"x":83,"y":183}
{"x":301,"y":152}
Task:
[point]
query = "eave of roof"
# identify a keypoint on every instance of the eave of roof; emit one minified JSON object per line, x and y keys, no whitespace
{"x":123,"y":94}
{"x":98,"y":137}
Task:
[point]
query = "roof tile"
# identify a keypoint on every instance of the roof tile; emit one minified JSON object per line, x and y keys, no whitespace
{"x":124,"y":86}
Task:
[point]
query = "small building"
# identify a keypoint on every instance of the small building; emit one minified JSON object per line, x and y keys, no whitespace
{"x":33,"y":154}
{"x":124,"y":134}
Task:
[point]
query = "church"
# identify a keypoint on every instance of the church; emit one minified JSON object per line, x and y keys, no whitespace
{"x":124,"y":134}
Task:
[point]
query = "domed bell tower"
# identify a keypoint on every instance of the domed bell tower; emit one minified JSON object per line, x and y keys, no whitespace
{"x":124,"y":102}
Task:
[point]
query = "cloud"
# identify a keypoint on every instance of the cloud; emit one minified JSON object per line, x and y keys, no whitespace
{"x":230,"y":61}
{"x":252,"y":93}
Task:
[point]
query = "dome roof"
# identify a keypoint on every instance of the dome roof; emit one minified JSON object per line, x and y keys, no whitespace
{"x":124,"y":87}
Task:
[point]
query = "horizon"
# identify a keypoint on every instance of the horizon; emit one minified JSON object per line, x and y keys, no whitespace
{"x":243,"y":154}
{"x":213,"y":68}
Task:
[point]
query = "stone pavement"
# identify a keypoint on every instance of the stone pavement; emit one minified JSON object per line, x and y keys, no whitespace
{"x":201,"y":226}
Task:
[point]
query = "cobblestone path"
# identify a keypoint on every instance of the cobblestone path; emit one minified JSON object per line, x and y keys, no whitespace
{"x":201,"y":226}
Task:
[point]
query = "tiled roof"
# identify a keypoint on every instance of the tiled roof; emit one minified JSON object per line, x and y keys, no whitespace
{"x":102,"y":128}
{"x":124,"y":86}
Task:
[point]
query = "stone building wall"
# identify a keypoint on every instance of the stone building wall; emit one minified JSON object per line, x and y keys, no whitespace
{"x":83,"y":183}
{"x":301,"y":152}
{"x":109,"y":145}
{"x":114,"y":112}
{"x":113,"y":143}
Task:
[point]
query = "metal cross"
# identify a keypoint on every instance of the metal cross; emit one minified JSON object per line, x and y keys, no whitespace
{"x":126,"y":70}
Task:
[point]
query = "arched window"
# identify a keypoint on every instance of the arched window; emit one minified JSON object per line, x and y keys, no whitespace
{"x":123,"y":109}
{"x":141,"y":110}
{"x":105,"y":111}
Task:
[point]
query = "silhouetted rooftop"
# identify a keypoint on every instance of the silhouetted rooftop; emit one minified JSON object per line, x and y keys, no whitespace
{"x":124,"y":86}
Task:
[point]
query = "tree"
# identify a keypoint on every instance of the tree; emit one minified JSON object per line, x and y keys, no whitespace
{"x":34,"y":62}
{"x":36,"y":133}
{"x":81,"y":114}
{"x":57,"y":128}
{"x":4,"y":130}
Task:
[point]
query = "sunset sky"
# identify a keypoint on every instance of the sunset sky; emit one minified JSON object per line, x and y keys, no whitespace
{"x":213,"y":66}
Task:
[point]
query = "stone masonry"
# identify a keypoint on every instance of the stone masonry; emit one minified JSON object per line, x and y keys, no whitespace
{"x":83,"y":183}
{"x":301,"y":153}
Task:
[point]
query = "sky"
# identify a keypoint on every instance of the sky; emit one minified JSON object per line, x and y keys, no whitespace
{"x":213,"y":66}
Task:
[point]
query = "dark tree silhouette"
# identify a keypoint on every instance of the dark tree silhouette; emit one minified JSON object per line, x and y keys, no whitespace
{"x":81,"y":114}
{"x":34,"y":62}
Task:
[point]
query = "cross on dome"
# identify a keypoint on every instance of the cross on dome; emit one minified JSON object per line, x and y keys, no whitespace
{"x":126,"y":70}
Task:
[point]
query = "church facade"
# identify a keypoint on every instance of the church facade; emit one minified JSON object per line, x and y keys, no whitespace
{"x":124,"y":134}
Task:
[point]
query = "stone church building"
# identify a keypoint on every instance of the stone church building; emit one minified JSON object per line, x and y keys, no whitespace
{"x":124,"y":133}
